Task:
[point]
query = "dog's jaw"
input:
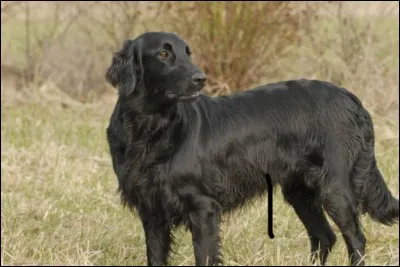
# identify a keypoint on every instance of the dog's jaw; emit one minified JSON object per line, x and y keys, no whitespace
{"x":189,"y":98}
{"x":184,"y":98}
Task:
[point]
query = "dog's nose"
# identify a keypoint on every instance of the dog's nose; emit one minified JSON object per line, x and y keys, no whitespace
{"x":199,"y":78}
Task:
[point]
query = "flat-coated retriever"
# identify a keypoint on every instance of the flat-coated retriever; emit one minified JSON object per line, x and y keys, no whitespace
{"x":184,"y":158}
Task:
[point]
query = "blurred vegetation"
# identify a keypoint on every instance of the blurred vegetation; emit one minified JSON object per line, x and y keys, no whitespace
{"x":234,"y":41}
{"x":238,"y":44}
{"x":67,"y":43}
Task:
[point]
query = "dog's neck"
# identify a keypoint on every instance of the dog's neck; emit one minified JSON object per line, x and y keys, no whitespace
{"x":147,"y":122}
{"x":139,"y":106}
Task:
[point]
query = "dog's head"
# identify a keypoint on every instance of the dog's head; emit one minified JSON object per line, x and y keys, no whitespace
{"x":159,"y":64}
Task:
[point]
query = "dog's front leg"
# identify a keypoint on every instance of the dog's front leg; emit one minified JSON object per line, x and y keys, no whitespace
{"x":204,"y":224}
{"x":158,"y":239}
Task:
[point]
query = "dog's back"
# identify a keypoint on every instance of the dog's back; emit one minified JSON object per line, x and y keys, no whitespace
{"x":284,"y":122}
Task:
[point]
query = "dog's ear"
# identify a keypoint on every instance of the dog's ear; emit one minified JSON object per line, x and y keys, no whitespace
{"x":125,"y":68}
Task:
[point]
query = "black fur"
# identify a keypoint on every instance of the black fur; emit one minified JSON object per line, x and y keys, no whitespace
{"x":183,"y":159}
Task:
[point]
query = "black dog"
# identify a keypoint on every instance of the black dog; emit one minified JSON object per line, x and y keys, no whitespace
{"x":183,"y":158}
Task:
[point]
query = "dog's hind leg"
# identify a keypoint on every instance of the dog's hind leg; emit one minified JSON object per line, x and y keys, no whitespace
{"x":340,"y":205}
{"x":308,"y":208}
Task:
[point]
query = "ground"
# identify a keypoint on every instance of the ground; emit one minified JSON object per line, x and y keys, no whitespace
{"x":59,"y":203}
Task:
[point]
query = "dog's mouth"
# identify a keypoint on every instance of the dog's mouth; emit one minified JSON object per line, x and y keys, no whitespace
{"x":184,"y":98}
{"x":190,"y":97}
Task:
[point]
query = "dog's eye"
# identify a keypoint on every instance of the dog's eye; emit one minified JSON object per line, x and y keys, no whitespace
{"x":188,"y":51}
{"x":163,"y":54}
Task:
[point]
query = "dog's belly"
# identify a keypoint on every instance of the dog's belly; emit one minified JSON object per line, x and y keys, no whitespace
{"x":239,"y":183}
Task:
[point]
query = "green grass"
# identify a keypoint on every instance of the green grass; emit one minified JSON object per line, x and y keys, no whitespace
{"x":59,"y":203}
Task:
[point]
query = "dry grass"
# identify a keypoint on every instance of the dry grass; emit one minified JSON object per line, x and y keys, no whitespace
{"x":58,"y":191}
{"x":59,"y":204}
{"x":235,"y":41}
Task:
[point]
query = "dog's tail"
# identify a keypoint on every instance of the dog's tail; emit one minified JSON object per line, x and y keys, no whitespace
{"x":374,"y":197}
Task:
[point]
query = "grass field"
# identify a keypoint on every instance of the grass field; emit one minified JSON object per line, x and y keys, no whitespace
{"x":59,"y":203}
